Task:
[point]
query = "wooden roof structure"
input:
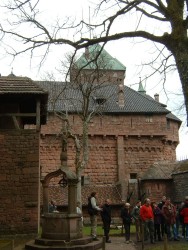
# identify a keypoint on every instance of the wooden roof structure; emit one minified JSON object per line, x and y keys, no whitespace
{"x":22,"y":99}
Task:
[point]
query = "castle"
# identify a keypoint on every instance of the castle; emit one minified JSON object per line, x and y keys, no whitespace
{"x":130,"y":132}
{"x":132,"y":140}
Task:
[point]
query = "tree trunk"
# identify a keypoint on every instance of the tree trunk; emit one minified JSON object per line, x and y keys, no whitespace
{"x":180,"y":53}
{"x":85,"y":157}
{"x":79,"y":187}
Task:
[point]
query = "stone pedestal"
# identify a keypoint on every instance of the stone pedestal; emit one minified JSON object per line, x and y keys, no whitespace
{"x":59,"y":226}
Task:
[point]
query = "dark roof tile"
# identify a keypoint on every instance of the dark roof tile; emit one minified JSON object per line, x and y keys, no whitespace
{"x":161,"y":170}
{"x":135,"y":102}
{"x":19,"y":85}
{"x":181,"y":167}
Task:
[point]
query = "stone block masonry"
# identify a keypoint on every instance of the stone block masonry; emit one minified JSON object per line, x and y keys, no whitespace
{"x":19,"y":181}
{"x":121,"y":147}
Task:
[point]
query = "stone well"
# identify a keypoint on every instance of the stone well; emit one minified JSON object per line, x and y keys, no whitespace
{"x":62,"y":230}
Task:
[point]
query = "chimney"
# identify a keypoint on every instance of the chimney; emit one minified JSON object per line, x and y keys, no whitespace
{"x":121,"y":98}
{"x":156,"y":96}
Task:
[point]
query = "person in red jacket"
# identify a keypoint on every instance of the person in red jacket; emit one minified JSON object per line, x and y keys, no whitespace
{"x":184,"y":213}
{"x":147,"y":217}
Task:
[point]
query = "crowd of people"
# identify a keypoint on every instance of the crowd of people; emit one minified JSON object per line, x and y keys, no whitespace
{"x":152,"y":220}
{"x":164,"y":218}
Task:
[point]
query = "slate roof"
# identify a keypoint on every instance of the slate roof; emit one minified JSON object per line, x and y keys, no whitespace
{"x":70,"y":98}
{"x":173,"y":117}
{"x":159,"y":171}
{"x":181,"y":167}
{"x":104,"y":61}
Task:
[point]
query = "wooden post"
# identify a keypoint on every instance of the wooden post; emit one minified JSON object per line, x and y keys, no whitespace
{"x":165,"y":242}
{"x":38,"y":115}
{"x":142,"y":235}
{"x":104,"y":243}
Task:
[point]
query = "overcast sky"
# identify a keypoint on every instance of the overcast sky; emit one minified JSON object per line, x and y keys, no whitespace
{"x":130,"y":53}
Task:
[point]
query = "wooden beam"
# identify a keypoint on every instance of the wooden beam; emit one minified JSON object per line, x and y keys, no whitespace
{"x":38,"y":115}
{"x":19,"y":114}
{"x":16,"y":124}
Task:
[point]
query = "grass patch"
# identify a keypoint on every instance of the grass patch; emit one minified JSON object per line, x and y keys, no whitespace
{"x":100,"y":231}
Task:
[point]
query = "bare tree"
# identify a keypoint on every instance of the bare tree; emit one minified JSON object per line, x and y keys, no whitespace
{"x":85,"y":95}
{"x":168,"y":14}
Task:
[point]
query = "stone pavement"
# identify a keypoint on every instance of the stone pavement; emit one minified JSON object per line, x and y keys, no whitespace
{"x":118,"y":243}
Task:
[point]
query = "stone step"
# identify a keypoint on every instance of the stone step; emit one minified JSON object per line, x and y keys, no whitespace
{"x":50,"y":242}
{"x":94,"y":245}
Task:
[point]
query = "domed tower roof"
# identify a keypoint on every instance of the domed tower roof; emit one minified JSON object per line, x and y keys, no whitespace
{"x":90,"y":59}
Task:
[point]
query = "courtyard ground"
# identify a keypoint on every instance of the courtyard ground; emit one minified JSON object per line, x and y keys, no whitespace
{"x":117,"y":243}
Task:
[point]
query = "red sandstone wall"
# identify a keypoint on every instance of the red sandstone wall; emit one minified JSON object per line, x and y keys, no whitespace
{"x":142,"y":153}
{"x":19,"y":181}
{"x":50,"y":148}
{"x":102,"y":165}
{"x":119,"y":125}
{"x":119,"y":146}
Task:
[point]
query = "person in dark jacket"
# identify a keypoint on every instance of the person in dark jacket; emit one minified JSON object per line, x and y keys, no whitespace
{"x":160,"y":205}
{"x":184,"y":213}
{"x":136,"y":217}
{"x":157,"y":221}
{"x":181,"y":221}
{"x":106,"y":218}
{"x":169,"y":213}
{"x":127,"y":219}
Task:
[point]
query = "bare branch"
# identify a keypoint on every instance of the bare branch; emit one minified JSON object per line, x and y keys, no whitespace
{"x":171,"y":12}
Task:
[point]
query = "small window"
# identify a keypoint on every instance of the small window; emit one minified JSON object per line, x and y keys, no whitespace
{"x":82,"y":180}
{"x":100,"y":100}
{"x":149,"y":118}
{"x":133,"y":176}
{"x":85,"y":180}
